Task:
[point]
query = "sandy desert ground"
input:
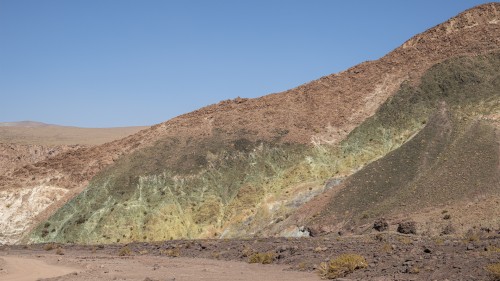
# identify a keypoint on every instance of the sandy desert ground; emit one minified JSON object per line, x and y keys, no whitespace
{"x":389,"y":256}
{"x":75,"y":266}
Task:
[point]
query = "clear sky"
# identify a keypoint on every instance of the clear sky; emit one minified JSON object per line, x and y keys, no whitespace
{"x":104,"y":63}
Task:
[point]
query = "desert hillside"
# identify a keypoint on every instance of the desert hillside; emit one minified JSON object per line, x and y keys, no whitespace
{"x":435,"y":144}
{"x":242,"y":167}
{"x":450,"y":169}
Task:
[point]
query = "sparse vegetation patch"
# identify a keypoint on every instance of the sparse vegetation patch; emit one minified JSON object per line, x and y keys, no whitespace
{"x":494,"y":270}
{"x":125,"y":251}
{"x":341,"y":266}
{"x":263,"y":258}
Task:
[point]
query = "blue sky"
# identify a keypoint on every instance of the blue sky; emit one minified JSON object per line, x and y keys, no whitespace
{"x":105,"y":63}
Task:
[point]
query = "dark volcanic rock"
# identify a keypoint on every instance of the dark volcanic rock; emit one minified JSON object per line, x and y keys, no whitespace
{"x":381,"y":225}
{"x":407,"y":227}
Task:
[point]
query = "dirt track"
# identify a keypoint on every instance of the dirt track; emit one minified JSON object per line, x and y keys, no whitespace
{"x":72,"y":266}
{"x":26,"y":269}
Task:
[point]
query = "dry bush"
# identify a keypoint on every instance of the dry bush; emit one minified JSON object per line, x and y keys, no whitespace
{"x":341,"y":266}
{"x":386,"y":248}
{"x":404,"y":240}
{"x":246,"y":251}
{"x":494,"y":270}
{"x":303,"y":266}
{"x":380,"y":237}
{"x":471,"y":236}
{"x":50,"y":246}
{"x":493,"y":249}
{"x":414,"y":270}
{"x":173,"y":253}
{"x":125,"y":251}
{"x":438,"y":241}
{"x":263,"y":258}
{"x":320,"y":249}
{"x":59,"y":251}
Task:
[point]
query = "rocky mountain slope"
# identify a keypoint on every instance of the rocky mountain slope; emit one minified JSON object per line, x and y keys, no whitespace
{"x":14,"y":156}
{"x":446,"y":177}
{"x":232,"y":168}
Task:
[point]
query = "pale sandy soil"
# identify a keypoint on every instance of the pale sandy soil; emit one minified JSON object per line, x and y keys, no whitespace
{"x":74,"y":266}
{"x":25,"y":269}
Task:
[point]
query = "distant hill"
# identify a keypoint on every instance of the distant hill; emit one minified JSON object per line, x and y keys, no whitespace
{"x":24,"y":124}
{"x":30,"y":132}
